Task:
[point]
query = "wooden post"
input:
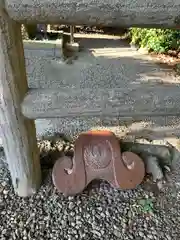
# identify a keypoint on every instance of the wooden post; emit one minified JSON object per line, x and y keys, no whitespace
{"x":18,"y":133}
{"x":71,"y":34}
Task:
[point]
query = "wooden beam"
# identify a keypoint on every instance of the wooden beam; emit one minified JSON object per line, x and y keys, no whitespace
{"x":118,"y":13}
{"x":137,"y":100}
{"x":18,"y":134}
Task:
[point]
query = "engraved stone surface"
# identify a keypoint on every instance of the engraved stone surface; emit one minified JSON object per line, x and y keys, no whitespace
{"x":97,"y":156}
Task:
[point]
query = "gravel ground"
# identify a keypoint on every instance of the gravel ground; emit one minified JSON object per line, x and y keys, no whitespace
{"x":100,"y":212}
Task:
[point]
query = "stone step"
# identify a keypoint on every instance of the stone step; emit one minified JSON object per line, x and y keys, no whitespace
{"x":110,"y":65}
{"x":139,"y":127}
{"x":126,"y":102}
{"x":118,"y":67}
{"x":46,"y":47}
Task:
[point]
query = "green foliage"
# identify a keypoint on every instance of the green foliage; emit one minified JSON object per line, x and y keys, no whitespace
{"x":146,"y":205}
{"x":156,"y":40}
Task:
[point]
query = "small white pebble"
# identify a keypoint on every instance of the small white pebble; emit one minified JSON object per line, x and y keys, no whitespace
{"x":5,"y":192}
{"x":141,"y":234}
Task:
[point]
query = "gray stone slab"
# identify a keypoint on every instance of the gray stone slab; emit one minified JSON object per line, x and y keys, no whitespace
{"x":153,"y":13}
{"x":147,"y":127}
{"x":105,"y":63}
{"x":131,"y":101}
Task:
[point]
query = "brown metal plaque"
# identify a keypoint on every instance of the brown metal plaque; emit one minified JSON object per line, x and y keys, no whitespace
{"x":97,"y":155}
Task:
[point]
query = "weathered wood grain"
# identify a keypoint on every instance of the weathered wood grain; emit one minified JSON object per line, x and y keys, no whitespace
{"x":18,"y":134}
{"x":142,"y":13}
{"x":136,"y":100}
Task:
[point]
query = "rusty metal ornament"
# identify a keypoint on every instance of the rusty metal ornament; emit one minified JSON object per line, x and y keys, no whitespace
{"x":97,"y":155}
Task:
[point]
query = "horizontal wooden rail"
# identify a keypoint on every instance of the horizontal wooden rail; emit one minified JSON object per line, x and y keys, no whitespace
{"x":140,"y":100}
{"x":142,"y":13}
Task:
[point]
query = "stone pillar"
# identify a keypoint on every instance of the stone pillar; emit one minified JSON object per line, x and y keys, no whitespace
{"x":18,"y":133}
